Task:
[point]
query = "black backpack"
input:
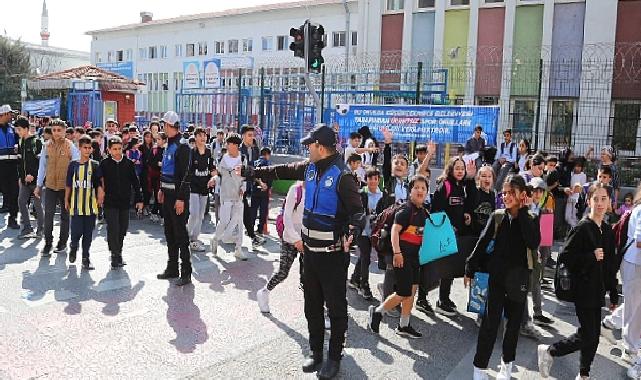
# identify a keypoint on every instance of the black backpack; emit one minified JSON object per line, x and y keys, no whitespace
{"x":562,"y":276}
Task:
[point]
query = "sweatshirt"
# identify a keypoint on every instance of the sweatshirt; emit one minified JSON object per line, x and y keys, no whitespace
{"x":29,"y":150}
{"x":231,"y":184}
{"x":118,"y":179}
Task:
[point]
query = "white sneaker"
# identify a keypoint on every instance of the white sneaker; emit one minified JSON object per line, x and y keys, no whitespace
{"x":239,"y":254}
{"x":328,"y":323}
{"x":579,"y":377}
{"x":480,"y":374}
{"x":634,"y":372}
{"x":196,"y":246}
{"x":262,"y":296}
{"x":545,"y":360}
{"x":213,"y":245}
{"x":505,"y":373}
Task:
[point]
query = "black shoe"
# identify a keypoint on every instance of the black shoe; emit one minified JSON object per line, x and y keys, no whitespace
{"x":424,"y":306}
{"x":312,"y":362}
{"x":60,"y":248}
{"x":330,"y":369}
{"x":408,"y":332}
{"x":445,"y":308}
{"x":365,"y":292}
{"x":374,"y":319}
{"x":183,"y":281}
{"x":46,"y":251}
{"x":13,"y":224}
{"x":551,"y":263}
{"x":353,"y":283}
{"x":542,"y":320}
{"x":72,"y":255}
{"x":167,"y":276}
{"x":86,"y":264}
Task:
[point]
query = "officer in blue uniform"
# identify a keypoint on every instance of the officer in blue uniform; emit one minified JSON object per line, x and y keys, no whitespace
{"x":174,"y":196}
{"x":333,"y":216}
{"x":8,"y":166}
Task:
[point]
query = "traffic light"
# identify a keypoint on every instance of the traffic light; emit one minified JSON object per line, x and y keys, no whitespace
{"x":298,"y":45}
{"x":316,"y":44}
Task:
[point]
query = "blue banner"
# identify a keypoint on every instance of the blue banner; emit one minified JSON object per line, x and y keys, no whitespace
{"x":46,"y":107}
{"x":441,"y":124}
{"x":126,"y":69}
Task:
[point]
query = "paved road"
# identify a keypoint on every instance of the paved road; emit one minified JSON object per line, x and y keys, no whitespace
{"x":58,"y":322}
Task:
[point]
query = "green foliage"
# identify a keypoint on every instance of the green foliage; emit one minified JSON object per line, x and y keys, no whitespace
{"x":14,"y":66}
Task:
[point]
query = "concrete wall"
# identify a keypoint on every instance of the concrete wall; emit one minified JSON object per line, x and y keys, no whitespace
{"x":456,"y":36}
{"x":423,"y":33}
{"x":567,"y":42}
{"x":528,"y":31}
{"x":489,"y":55}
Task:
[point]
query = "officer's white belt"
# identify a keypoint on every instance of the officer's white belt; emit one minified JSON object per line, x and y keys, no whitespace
{"x":318,"y":235}
{"x":168,"y":186}
{"x":330,"y":249}
{"x":9,"y":157}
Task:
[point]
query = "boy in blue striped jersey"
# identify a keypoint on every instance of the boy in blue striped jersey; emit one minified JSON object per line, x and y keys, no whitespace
{"x":81,"y":194}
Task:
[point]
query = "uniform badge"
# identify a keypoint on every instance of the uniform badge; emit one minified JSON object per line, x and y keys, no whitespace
{"x":329,"y":181}
{"x":311,"y":175}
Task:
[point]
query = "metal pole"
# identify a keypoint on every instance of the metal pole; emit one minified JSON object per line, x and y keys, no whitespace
{"x":262,"y":99}
{"x":538,"y":108}
{"x":419,"y":77}
{"x":240,"y":89}
{"x":347,"y":35}
{"x":322,"y":96}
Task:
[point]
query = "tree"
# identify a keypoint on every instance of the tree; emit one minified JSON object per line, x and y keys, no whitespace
{"x":14,"y":66}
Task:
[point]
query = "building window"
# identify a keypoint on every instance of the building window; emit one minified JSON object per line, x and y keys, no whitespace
{"x":425,"y":4}
{"x":164,"y":81}
{"x":110,"y":56}
{"x":625,"y":125}
{"x":454,"y":3}
{"x":338,"y":39}
{"x":219,"y":47}
{"x":142,"y":53}
{"x":395,"y":5}
{"x":153,"y":52}
{"x":268,"y":43}
{"x":190,"y":50}
{"x":232,"y":46}
{"x":178,"y":50}
{"x":178,"y":81}
{"x":120,"y":55}
{"x":562,"y":112}
{"x":522,"y":114}
{"x":248,"y":45}
{"x":98,"y":57}
{"x":163,"y":51}
{"x":128,"y":54}
{"x":354,"y":38}
{"x":494,"y":1}
{"x":281,"y":43}
{"x":202,"y":48}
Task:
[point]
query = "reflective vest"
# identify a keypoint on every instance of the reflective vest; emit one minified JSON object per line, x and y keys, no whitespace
{"x":321,"y":230}
{"x":8,"y":143}
{"x":168,"y":167}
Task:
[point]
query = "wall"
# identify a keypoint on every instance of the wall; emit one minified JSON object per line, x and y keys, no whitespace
{"x":567,"y":44}
{"x":628,"y":31}
{"x":423,"y":34}
{"x":126,"y":108}
{"x":528,"y":31}
{"x":489,"y":57}
{"x":457,"y":23}
{"x":391,"y":43}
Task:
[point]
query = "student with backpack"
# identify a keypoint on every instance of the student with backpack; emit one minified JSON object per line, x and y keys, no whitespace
{"x":505,"y":251}
{"x":370,"y":196}
{"x":507,"y":157}
{"x":588,"y":255}
{"x":288,"y":225}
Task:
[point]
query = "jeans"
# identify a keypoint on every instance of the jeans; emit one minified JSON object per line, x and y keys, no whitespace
{"x":361,"y":269}
{"x":23,"y":199}
{"x":53,"y":198}
{"x":82,"y":227}
{"x":197,"y":204}
{"x":117,"y":224}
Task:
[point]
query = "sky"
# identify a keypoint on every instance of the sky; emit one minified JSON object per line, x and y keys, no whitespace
{"x":70,"y":19}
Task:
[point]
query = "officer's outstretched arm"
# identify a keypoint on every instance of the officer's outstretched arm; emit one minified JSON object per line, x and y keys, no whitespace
{"x":295,"y":171}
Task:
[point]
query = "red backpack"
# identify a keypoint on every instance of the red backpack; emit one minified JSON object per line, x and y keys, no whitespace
{"x":280,"y":223}
{"x":620,"y":230}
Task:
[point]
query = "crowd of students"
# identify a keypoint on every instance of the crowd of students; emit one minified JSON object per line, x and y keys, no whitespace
{"x":96,"y":176}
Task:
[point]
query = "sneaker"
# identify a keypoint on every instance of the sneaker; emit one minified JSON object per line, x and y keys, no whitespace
{"x":480,"y":374}
{"x":13,"y":224}
{"x":365,"y":292}
{"x":258,"y":240}
{"x":579,"y":377}
{"x":545,"y":359}
{"x":408,"y":332}
{"x":424,"y":306}
{"x":374,"y":319}
{"x":39,"y":234}
{"x":634,"y":372}
{"x":262,"y":296}
{"x":505,"y":373}
{"x":72,"y":255}
{"x":542,"y":320}
{"x":46,"y":251}
{"x":354,"y":284}
{"x":145,"y":211}
{"x":328,"y":323}
{"x":26,"y":234}
{"x":86,"y":265}
{"x":213,"y":246}
{"x":529,"y":331}
{"x":60,"y":248}
{"x":239,"y":254}
{"x":445,"y":308}
{"x":197,"y":246}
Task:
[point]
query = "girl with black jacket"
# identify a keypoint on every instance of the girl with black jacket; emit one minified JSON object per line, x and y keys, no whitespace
{"x":509,"y":263}
{"x":450,"y":197}
{"x":589,"y":256}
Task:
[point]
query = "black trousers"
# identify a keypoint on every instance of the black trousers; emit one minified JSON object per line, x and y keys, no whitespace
{"x":586,"y":339}
{"x":262,"y":209}
{"x":324,"y":283}
{"x":361,"y":269}
{"x":250,"y":211}
{"x":9,"y":186}
{"x":117,"y":224}
{"x":82,"y":226}
{"x":176,"y":235}
{"x":498,"y":303}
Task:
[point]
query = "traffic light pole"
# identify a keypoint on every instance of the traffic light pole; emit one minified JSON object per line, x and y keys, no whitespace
{"x":308,"y":80}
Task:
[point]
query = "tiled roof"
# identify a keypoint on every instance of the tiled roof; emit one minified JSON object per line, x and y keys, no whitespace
{"x":87,"y":72}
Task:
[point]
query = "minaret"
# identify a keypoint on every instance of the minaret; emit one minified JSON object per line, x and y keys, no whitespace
{"x":44,"y":24}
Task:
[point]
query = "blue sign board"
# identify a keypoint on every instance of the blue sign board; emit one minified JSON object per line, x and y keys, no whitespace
{"x":421,"y":123}
{"x":46,"y":107}
{"x":126,"y":69}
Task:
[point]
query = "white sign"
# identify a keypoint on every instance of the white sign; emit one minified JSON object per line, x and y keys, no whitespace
{"x":191,"y":74}
{"x":212,"y":73}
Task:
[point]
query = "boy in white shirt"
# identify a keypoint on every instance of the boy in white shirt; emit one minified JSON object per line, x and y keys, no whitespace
{"x":355,"y":139}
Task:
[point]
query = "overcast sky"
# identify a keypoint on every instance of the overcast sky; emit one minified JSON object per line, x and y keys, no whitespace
{"x":67,"y":23}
